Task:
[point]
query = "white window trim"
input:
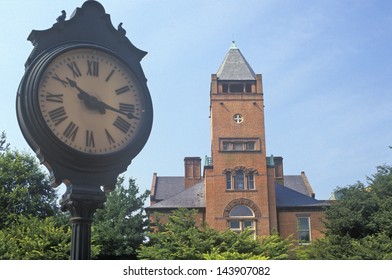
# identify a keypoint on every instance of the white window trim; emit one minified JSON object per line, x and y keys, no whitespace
{"x":310,"y":231}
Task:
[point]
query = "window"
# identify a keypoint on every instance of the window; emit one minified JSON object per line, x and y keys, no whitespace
{"x":241,"y":211}
{"x":240,"y":180}
{"x":238,"y":118}
{"x":240,"y":144}
{"x":250,"y":146}
{"x":251,"y":181}
{"x":248,"y":88}
{"x":226,"y":146}
{"x":228,"y":181}
{"x":238,"y":87}
{"x":303,"y":224}
{"x":241,"y":217}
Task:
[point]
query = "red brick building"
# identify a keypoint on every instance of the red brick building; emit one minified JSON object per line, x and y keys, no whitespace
{"x":240,"y":186}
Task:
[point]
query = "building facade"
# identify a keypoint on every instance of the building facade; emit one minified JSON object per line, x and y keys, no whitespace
{"x":240,"y":186}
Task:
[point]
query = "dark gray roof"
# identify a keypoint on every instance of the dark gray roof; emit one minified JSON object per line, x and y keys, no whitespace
{"x":171,"y":193}
{"x":192,"y":197}
{"x":296,"y":183}
{"x":167,"y":186}
{"x":286,"y":197}
{"x":235,"y":66}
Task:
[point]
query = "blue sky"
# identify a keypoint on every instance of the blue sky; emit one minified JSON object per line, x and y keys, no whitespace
{"x":326,"y":69}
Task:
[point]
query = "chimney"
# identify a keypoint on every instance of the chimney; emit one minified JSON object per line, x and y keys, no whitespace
{"x":192,"y":171}
{"x":277,"y":164}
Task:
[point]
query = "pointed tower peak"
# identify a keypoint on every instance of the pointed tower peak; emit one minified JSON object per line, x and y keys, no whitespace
{"x":235,"y":66}
{"x":233,"y":46}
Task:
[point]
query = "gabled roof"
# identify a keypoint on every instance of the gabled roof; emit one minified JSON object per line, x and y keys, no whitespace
{"x":192,"y":197}
{"x":167,"y":186}
{"x":235,"y":66}
{"x":287,"y":198}
{"x":299,"y":183}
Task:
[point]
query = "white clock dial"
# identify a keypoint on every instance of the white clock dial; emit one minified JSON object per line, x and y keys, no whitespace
{"x":91,"y":101}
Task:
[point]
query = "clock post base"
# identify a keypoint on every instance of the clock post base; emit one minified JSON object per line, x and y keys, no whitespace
{"x":82,"y":202}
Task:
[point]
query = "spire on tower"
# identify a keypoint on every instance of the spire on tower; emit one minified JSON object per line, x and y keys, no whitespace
{"x":235,"y":66}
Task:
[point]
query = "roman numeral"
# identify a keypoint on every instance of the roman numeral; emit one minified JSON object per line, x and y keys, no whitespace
{"x":110,"y":138}
{"x":58,"y":115}
{"x":109,"y":76}
{"x":71,"y":131}
{"x":93,"y":68}
{"x":127,"y":108}
{"x":57,"y":78}
{"x":90,"y":139}
{"x":122,"y":90}
{"x":51,"y":97}
{"x":122,"y":124}
{"x":75,"y":69}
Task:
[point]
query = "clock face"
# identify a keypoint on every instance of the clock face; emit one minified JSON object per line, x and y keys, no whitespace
{"x":91,"y":101}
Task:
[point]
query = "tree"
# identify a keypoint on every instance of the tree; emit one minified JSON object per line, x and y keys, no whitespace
{"x":182,"y":239}
{"x":3,"y":143}
{"x":24,"y":188}
{"x":121,"y":226}
{"x":359,"y":224}
{"x":31,"y":238}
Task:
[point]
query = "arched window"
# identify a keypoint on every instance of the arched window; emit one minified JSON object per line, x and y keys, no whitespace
{"x":251,"y":181}
{"x":239,"y":180}
{"x":228,"y":180}
{"x":241,"y":217}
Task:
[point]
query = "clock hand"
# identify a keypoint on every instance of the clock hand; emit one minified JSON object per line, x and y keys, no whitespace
{"x":82,"y":94}
{"x":104,"y":106}
{"x":93,"y":103}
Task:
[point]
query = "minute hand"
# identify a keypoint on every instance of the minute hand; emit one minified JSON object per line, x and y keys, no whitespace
{"x":103,"y":105}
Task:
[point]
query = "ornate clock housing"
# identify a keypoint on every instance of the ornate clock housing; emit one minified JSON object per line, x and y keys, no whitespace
{"x":83,"y":104}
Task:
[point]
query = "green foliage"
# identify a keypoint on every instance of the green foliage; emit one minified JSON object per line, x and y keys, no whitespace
{"x":4,"y":146}
{"x":359,"y":224}
{"x":182,"y":239}
{"x":232,"y":256}
{"x":179,"y":239}
{"x":31,"y":238}
{"x":24,"y":188}
{"x":334,"y":247}
{"x":121,"y":226}
{"x":275,"y":247}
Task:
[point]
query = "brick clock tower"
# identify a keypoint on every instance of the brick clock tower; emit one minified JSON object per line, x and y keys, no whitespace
{"x":240,"y":187}
{"x":238,"y":193}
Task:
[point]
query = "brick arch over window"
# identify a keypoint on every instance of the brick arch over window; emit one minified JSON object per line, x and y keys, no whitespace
{"x":242,"y":168}
{"x":241,"y":201}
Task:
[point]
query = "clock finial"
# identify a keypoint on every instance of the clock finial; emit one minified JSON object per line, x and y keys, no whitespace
{"x":61,"y":18}
{"x":121,"y":29}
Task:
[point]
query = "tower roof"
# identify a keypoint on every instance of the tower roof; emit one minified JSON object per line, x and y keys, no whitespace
{"x":235,"y":66}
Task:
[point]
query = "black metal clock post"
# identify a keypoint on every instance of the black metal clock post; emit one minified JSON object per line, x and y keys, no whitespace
{"x":84,"y":107}
{"x":82,"y":202}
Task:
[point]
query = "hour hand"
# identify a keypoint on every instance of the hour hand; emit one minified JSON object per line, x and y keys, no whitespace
{"x":90,"y":101}
{"x":73,"y":84}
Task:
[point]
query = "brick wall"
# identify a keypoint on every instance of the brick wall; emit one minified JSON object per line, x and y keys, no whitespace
{"x":287,"y":223}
